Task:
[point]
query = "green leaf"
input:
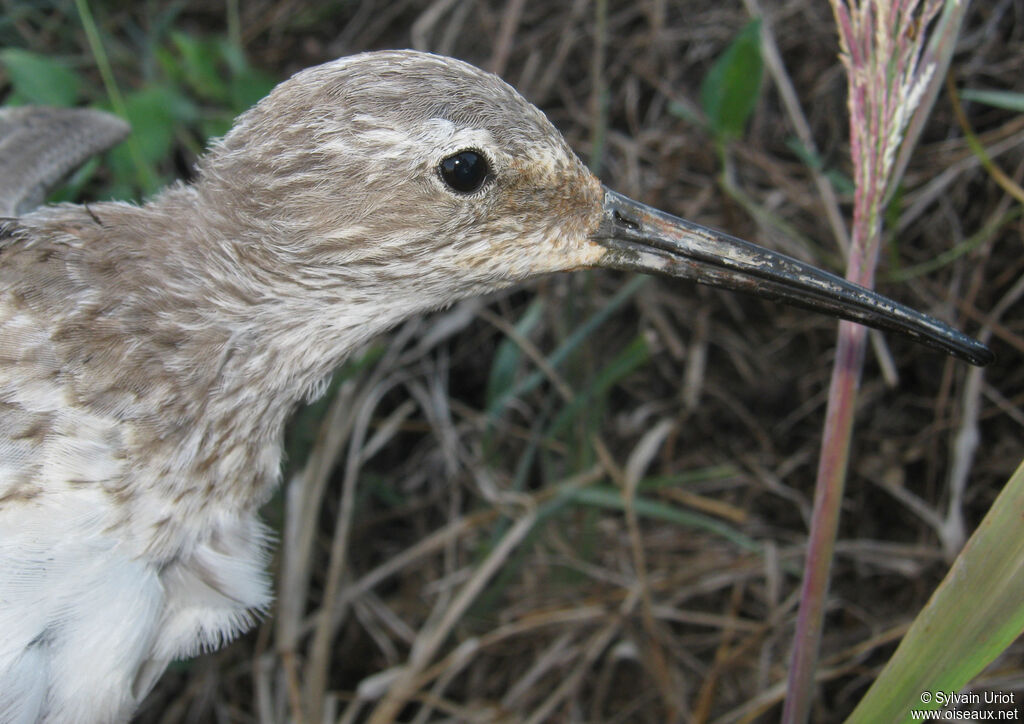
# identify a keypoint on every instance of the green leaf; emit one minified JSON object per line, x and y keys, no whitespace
{"x":233,"y":55}
{"x":216,"y":126}
{"x":975,"y":613}
{"x":1007,"y":100}
{"x":200,"y":64}
{"x":40,"y":79}
{"x":730,"y":89}
{"x":248,"y":86}
{"x":154,"y":113}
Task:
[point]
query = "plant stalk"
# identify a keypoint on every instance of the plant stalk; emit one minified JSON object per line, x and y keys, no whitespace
{"x":882,"y":42}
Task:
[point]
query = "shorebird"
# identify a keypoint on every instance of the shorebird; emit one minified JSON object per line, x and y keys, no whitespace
{"x":150,"y":354}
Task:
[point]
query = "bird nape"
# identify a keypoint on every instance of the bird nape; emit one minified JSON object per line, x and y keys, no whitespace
{"x":152,"y":353}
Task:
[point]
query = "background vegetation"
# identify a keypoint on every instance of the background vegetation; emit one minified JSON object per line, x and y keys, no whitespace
{"x":632,"y":459}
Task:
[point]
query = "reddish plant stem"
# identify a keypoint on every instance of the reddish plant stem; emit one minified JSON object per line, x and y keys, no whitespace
{"x":881,"y":46}
{"x":832,"y":465}
{"x":837,"y":435}
{"x":828,"y":497}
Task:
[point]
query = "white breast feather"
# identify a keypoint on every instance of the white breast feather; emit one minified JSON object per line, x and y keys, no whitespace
{"x":88,"y":620}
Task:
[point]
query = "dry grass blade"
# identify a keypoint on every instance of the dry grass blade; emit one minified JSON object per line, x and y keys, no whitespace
{"x":593,"y":648}
{"x":432,"y":636}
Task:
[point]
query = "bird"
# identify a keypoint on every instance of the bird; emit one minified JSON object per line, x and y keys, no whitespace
{"x":150,"y":354}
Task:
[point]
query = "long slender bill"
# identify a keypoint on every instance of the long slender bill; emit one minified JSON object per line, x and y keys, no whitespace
{"x":640,"y":238}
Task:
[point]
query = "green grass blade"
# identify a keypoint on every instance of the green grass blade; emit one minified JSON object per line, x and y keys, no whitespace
{"x":506,"y":359}
{"x":146,"y":173}
{"x":39,"y":79}
{"x":1007,"y":100}
{"x":610,"y":497}
{"x":974,"y":614}
{"x":573,"y":341}
{"x":633,"y":356}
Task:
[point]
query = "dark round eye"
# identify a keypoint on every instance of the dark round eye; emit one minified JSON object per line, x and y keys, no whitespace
{"x":464,"y":171}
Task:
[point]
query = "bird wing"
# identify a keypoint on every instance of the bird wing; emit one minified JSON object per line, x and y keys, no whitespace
{"x":39,"y":146}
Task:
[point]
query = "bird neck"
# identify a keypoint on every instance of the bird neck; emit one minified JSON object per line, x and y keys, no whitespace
{"x":215,"y":328}
{"x":260,"y":330}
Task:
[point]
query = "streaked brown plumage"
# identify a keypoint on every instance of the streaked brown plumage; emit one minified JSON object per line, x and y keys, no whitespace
{"x":149,"y":355}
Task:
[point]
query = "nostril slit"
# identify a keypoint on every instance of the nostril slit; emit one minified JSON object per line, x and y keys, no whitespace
{"x":626,"y":221}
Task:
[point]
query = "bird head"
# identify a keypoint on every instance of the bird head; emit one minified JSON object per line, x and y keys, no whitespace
{"x":401,"y":175}
{"x":410,"y":168}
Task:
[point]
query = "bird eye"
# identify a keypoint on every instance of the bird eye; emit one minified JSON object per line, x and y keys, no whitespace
{"x":464,"y":171}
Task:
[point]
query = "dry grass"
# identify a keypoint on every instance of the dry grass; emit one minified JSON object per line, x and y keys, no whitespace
{"x":641,"y":563}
